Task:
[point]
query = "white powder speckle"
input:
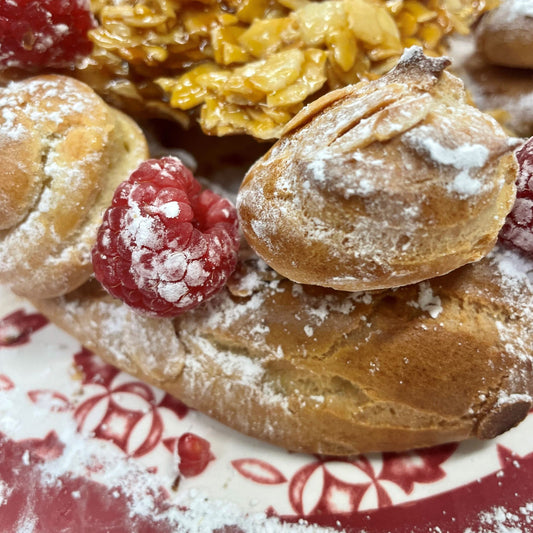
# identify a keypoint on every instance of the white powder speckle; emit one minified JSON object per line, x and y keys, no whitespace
{"x":9,"y":127}
{"x":26,"y":524}
{"x":172,"y":292}
{"x":427,"y":301}
{"x":170,"y":209}
{"x":505,"y":398}
{"x":498,"y":519}
{"x":196,"y":274}
{"x":26,"y":457}
{"x":142,"y":230}
{"x":511,"y":13}
{"x":463,"y":158}
{"x":464,"y":185}
{"x":5,"y":492}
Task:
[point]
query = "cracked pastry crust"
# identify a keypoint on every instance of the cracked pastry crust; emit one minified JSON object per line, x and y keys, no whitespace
{"x":305,"y":367}
{"x":63,"y":152}
{"x":381,"y":184}
{"x":322,"y":371}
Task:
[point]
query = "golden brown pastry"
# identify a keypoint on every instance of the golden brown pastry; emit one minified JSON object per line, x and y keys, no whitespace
{"x":317,"y":370}
{"x":505,"y":34}
{"x":310,"y":368}
{"x":63,"y":151}
{"x":381,"y":184}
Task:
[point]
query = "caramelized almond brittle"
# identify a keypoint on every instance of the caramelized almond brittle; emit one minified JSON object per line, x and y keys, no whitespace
{"x":248,"y":66}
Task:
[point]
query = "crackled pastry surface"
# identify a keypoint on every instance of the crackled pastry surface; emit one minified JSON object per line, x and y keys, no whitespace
{"x":381,"y":184}
{"x":63,"y":151}
{"x":317,"y":370}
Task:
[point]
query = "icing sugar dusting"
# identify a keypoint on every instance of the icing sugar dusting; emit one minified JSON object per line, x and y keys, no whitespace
{"x":498,"y":519}
{"x":170,"y":209}
{"x":142,"y":229}
{"x":461,"y":157}
{"x":9,"y":128}
{"x":427,"y":301}
{"x":464,"y":158}
{"x":27,"y":524}
{"x":511,"y":13}
{"x":516,"y":274}
{"x":170,"y":272}
{"x":97,"y":460}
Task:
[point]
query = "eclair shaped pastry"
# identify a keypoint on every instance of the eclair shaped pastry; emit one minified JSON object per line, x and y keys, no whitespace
{"x":319,"y":370}
{"x":322,"y":371}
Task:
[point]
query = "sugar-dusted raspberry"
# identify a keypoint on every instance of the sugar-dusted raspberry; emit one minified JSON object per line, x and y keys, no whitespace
{"x":44,"y":33}
{"x":165,"y":245}
{"x":518,"y":228}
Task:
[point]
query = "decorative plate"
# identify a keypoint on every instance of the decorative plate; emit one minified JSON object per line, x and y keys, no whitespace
{"x":86,"y":448}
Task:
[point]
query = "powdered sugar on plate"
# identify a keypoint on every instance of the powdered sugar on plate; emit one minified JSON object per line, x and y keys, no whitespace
{"x":83,"y":457}
{"x":89,"y":420}
{"x":500,"y":520}
{"x":57,"y":444}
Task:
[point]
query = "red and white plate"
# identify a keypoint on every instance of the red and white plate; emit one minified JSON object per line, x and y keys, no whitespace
{"x":86,"y":448}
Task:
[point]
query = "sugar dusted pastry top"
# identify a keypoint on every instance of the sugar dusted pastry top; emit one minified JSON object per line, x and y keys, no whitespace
{"x":381,"y":184}
{"x":63,"y":151}
{"x":401,"y":173}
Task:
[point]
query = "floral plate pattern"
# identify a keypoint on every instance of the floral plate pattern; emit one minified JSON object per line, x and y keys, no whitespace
{"x":84,"y":447}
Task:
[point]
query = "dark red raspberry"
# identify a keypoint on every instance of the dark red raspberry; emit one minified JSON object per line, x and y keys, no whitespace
{"x":518,"y":228}
{"x":194,"y":453}
{"x":44,"y":33}
{"x":165,"y":245}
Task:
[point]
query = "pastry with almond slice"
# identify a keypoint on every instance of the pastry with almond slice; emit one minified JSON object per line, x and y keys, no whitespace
{"x":305,"y":367}
{"x":381,"y":184}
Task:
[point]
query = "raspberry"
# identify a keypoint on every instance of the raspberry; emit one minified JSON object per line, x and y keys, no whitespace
{"x":44,"y":33}
{"x":194,"y":453}
{"x":517,"y":231}
{"x":165,"y":245}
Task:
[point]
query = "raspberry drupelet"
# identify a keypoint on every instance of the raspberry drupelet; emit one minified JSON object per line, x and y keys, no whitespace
{"x":37,"y":34}
{"x":165,"y":245}
{"x":194,"y":453}
{"x":517,"y":231}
